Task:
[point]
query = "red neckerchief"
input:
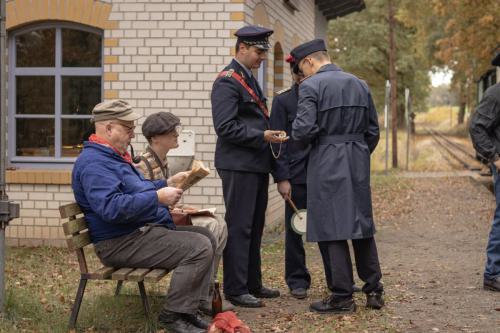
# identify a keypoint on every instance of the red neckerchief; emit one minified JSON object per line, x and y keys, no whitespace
{"x":95,"y":139}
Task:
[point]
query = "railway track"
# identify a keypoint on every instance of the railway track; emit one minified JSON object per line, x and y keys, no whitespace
{"x":455,"y":153}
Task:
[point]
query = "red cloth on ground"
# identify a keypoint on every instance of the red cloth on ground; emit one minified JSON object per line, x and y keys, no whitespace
{"x":227,"y":322}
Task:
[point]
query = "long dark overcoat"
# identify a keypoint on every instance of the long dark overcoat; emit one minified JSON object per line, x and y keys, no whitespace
{"x":337,"y":115}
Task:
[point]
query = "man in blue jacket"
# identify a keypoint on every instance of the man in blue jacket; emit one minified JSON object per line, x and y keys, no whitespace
{"x":129,"y":222}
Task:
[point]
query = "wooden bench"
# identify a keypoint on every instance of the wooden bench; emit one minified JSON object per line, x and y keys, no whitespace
{"x":77,"y":237}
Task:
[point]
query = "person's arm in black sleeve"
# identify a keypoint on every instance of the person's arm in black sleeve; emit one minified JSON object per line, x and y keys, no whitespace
{"x":372,"y":135}
{"x":225,"y":99}
{"x":278,"y":121}
{"x":483,"y":122}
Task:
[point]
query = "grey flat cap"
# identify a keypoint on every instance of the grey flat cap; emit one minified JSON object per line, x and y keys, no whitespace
{"x":159,"y":123}
{"x":114,"y":109}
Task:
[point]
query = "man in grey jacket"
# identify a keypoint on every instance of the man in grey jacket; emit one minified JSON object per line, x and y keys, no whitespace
{"x":485,"y":133}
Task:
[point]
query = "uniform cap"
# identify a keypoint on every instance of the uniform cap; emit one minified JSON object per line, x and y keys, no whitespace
{"x":159,"y":123}
{"x":303,"y":50}
{"x":114,"y":109}
{"x":255,"y":36}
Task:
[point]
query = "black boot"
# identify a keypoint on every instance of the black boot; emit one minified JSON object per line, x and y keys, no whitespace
{"x":333,"y":305}
{"x":375,"y":300}
{"x":176,"y":323}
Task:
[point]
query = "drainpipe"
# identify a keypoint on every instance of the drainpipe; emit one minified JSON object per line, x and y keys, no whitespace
{"x":8,"y":209}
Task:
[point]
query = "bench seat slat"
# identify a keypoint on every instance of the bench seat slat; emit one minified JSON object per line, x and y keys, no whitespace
{"x":68,"y":210}
{"x":102,"y":273}
{"x":74,"y":226}
{"x":122,"y":273}
{"x":155,"y":275}
{"x":138,"y":274}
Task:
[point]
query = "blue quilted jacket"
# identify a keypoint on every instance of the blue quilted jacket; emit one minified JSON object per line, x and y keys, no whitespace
{"x":114,"y":196}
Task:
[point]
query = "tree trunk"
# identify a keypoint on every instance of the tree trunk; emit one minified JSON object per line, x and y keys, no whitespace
{"x":392,"y":78}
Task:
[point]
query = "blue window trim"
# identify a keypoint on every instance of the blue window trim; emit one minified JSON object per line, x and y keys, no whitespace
{"x":58,"y":71}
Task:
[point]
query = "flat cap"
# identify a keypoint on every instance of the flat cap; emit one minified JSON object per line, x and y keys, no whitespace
{"x":303,"y":50}
{"x":255,"y":36}
{"x":114,"y":109}
{"x":159,"y":123}
{"x":496,"y":59}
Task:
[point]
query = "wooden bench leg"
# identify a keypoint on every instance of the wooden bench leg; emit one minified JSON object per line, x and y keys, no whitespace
{"x":118,"y":287}
{"x":78,"y":302}
{"x":144,"y":299}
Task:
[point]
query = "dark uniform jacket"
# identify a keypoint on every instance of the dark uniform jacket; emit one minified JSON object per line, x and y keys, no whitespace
{"x":240,"y":124}
{"x":485,"y":124}
{"x":292,"y":162}
{"x":337,"y":115}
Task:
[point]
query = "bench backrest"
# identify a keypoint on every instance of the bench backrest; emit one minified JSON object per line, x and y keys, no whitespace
{"x":75,"y":229}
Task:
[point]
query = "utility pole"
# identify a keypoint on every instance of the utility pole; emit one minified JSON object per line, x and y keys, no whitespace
{"x":392,"y":79}
{"x":8,"y":210}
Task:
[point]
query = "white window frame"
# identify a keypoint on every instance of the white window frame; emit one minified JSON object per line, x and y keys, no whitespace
{"x":261,"y":77}
{"x":58,"y":72}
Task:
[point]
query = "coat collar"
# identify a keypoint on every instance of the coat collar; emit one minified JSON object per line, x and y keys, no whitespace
{"x":329,"y":67}
{"x":240,"y":69}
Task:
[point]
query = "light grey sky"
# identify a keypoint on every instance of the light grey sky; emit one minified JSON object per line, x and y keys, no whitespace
{"x":440,"y":77}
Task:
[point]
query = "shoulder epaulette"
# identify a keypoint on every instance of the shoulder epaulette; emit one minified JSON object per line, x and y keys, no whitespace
{"x":283,"y":91}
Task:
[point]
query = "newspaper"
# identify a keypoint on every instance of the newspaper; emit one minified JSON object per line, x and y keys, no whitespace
{"x":197,"y":173}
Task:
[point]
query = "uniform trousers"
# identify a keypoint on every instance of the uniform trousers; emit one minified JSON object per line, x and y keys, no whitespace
{"x":245,"y":197}
{"x":296,"y":273}
{"x":188,"y":251}
{"x":367,"y":265}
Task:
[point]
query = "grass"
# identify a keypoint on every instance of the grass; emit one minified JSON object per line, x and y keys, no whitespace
{"x":424,"y":155}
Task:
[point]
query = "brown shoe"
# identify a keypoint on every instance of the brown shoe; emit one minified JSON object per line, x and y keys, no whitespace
{"x":492,"y":284}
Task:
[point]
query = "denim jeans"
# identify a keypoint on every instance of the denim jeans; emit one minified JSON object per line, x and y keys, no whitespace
{"x":492,"y":269}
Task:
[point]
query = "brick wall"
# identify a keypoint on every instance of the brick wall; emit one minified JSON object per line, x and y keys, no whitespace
{"x":163,"y":55}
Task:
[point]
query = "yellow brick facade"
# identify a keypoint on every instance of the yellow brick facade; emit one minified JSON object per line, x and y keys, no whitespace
{"x":160,"y":56}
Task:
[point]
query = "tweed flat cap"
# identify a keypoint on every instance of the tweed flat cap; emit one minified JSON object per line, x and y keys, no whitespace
{"x":303,"y":50}
{"x":159,"y":123}
{"x":114,"y":109}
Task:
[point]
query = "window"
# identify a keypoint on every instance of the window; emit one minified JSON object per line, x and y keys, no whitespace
{"x":261,"y":77}
{"x":55,"y":79}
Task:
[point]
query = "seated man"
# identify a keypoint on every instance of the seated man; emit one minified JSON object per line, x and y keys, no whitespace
{"x":162,"y":130}
{"x":129,"y":222}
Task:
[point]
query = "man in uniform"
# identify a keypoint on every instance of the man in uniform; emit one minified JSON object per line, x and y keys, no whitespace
{"x":243,"y":162}
{"x":337,"y":115}
{"x":485,"y":134}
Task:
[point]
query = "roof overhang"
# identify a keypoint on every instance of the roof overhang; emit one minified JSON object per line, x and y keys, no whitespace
{"x":332,"y":9}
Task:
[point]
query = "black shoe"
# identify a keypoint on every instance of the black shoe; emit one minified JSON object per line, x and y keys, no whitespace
{"x":245,"y":300}
{"x":196,"y":320}
{"x":375,"y":300}
{"x":176,"y":323}
{"x":330,"y":305}
{"x":299,"y":293}
{"x":266,"y":293}
{"x":492,"y":284}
